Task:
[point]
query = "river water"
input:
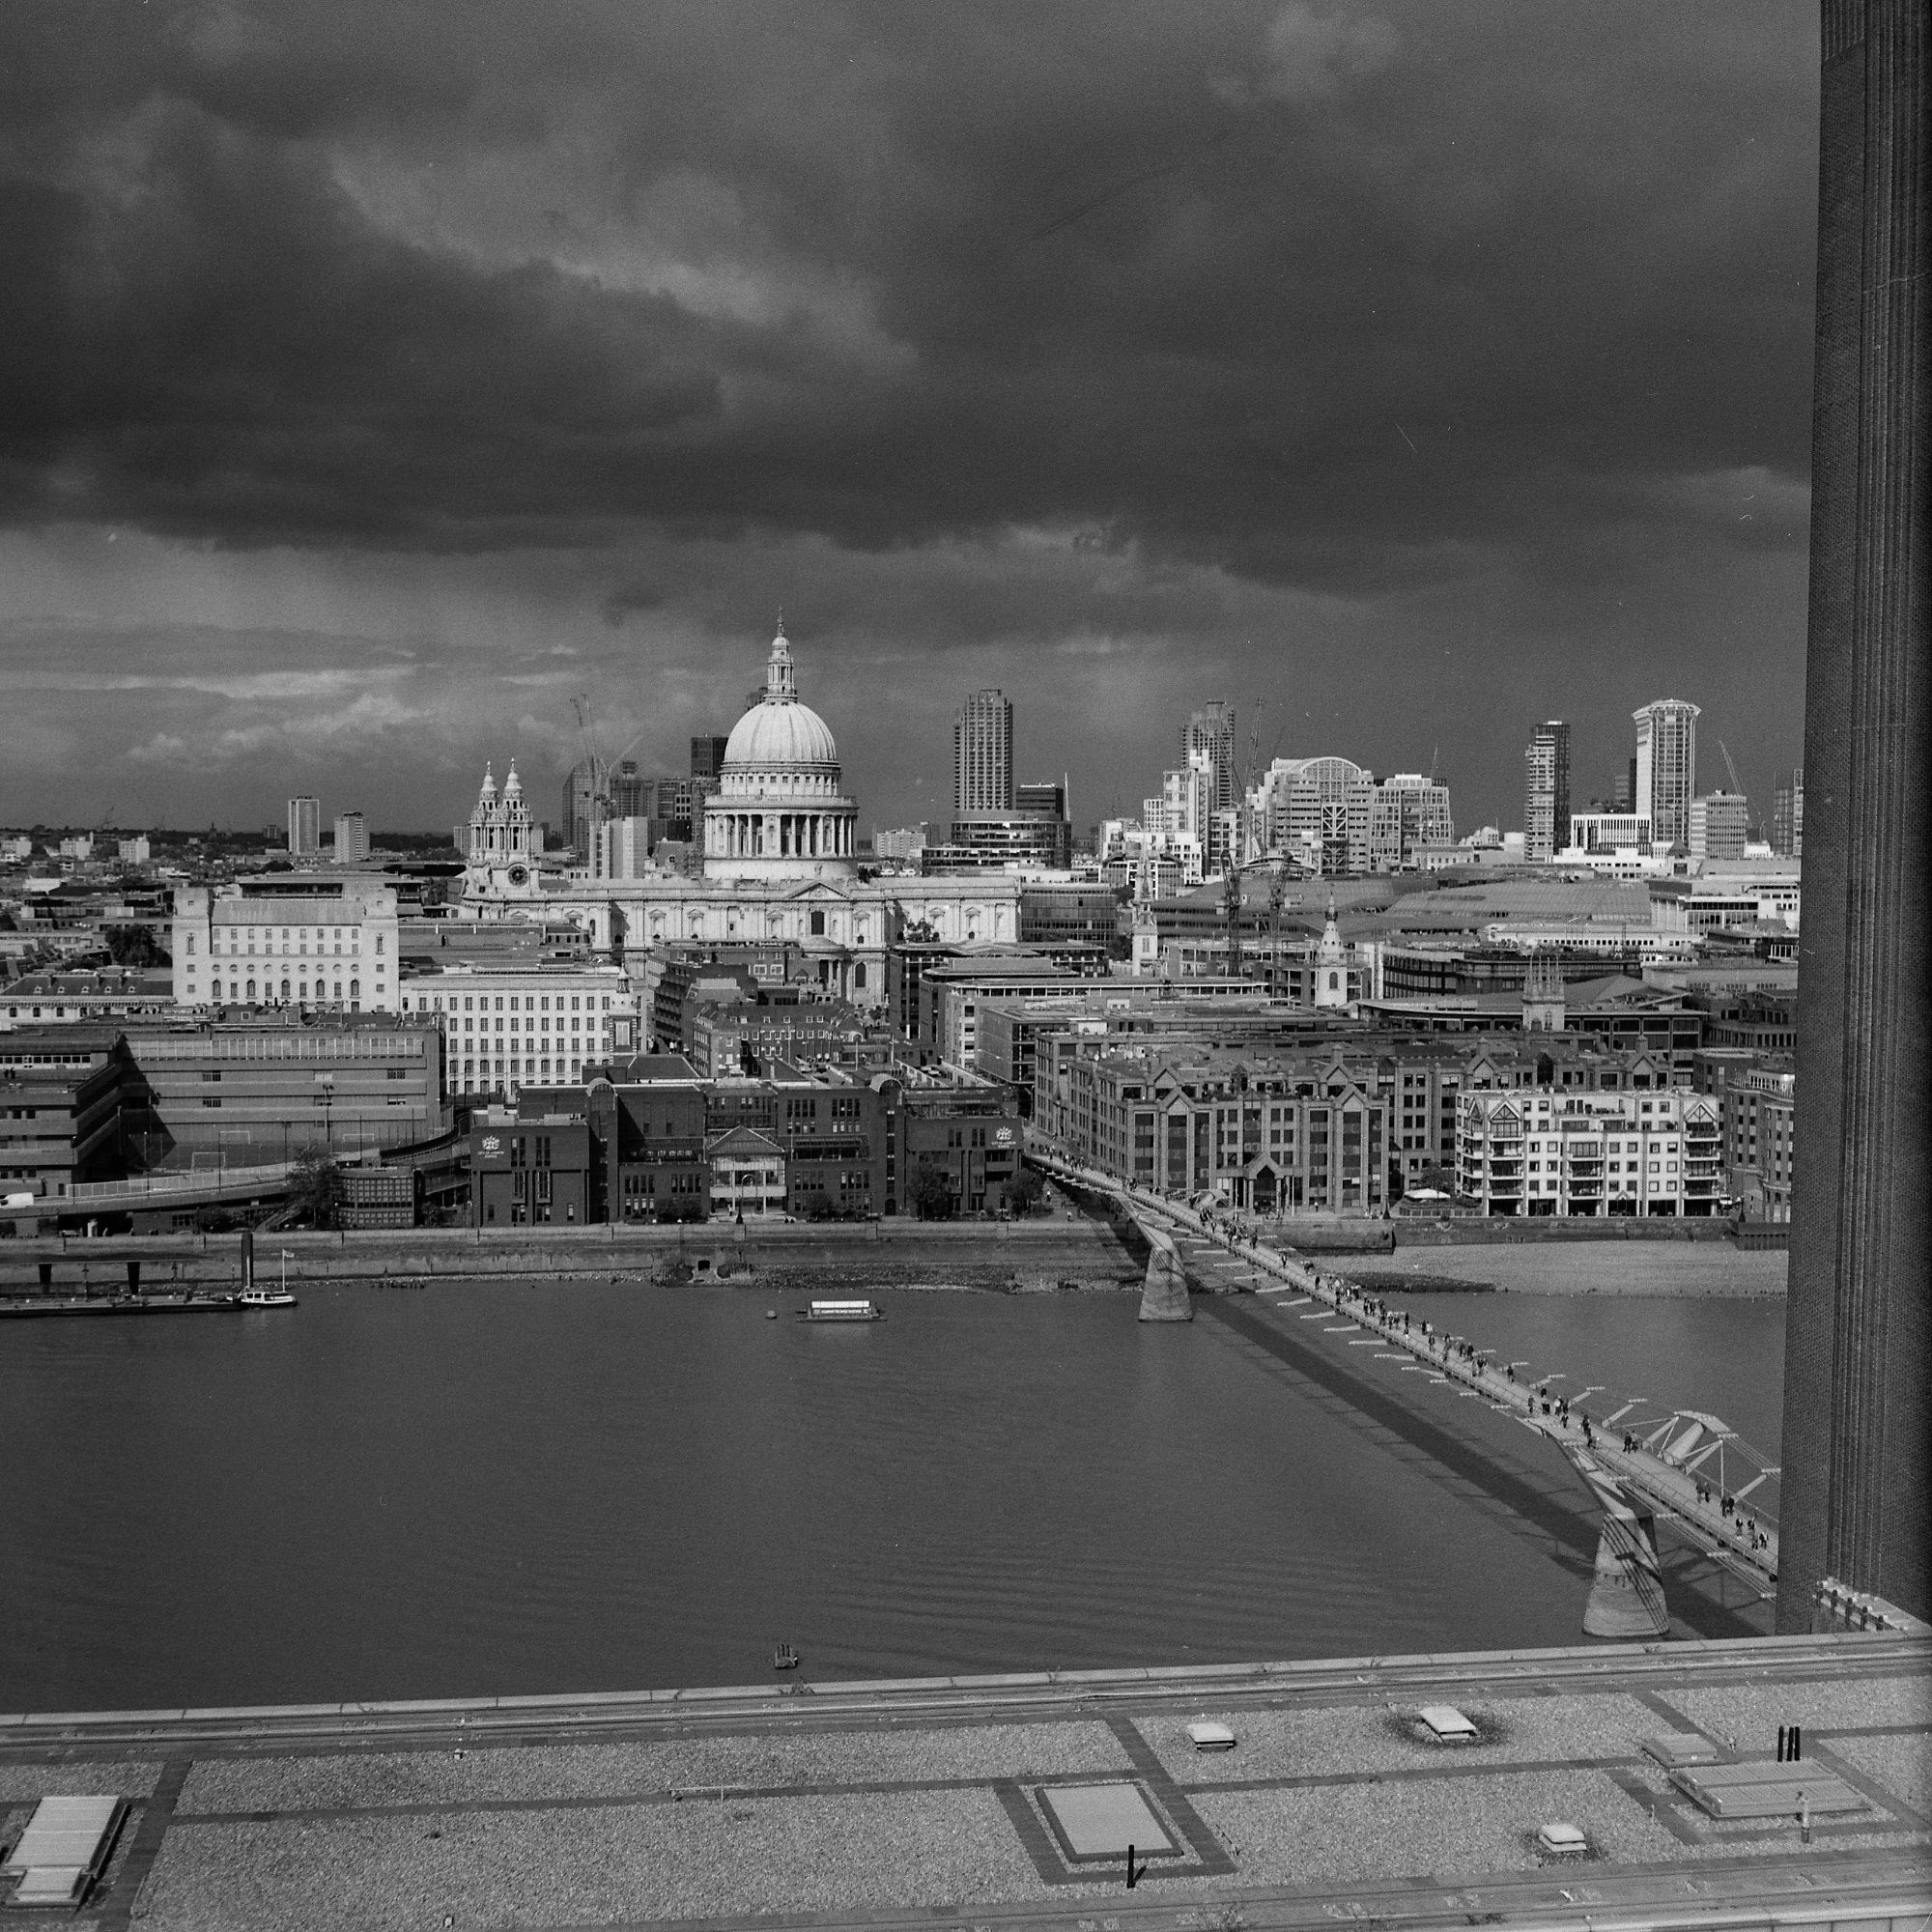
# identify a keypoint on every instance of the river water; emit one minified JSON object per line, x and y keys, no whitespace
{"x":498,"y":1488}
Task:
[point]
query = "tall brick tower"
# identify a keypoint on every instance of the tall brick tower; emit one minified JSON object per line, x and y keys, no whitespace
{"x":1857,"y":1418}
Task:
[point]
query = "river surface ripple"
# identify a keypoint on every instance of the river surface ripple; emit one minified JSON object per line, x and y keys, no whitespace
{"x":509,"y":1486}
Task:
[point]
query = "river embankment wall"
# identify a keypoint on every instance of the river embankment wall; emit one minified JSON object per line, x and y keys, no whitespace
{"x":1084,"y":1251}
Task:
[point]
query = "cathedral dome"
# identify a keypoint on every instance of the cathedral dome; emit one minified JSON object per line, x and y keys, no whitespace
{"x":779,"y":734}
{"x":777,"y":812}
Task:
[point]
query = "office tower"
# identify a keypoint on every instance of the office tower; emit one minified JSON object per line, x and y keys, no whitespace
{"x":1623,"y":794}
{"x":304,"y":828}
{"x":1666,"y":768}
{"x":1546,"y":792}
{"x":1787,"y":816}
{"x":1720,"y":825}
{"x":982,"y":753}
{"x":1405,"y":811}
{"x":586,"y":804}
{"x":1855,"y":1501}
{"x":707,"y":760}
{"x":1211,"y":729}
{"x":1046,"y":802}
{"x":352,"y":838}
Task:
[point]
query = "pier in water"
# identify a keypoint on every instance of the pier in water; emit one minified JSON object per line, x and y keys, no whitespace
{"x":519,"y":1487}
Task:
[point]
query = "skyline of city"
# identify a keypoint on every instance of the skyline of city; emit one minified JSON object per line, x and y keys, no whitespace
{"x":1002,"y":399}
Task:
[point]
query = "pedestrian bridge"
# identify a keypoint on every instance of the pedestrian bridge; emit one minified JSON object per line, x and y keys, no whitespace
{"x":1639,"y":1462}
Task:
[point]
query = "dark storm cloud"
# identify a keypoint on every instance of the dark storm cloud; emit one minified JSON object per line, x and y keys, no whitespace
{"x":1332,"y":298}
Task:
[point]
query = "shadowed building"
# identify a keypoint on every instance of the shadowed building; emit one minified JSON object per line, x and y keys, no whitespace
{"x":1856,"y":1422}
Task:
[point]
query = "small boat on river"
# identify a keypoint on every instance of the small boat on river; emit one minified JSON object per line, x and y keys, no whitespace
{"x":784,"y":1658}
{"x":265,"y":1297}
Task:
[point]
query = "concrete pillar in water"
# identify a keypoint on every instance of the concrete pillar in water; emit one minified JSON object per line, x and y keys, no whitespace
{"x":1164,"y":1293}
{"x":1626,"y":1599}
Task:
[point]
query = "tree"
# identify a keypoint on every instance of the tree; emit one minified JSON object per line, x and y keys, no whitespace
{"x":931,"y":1193}
{"x":1025,"y":1189}
{"x":314,"y":1188}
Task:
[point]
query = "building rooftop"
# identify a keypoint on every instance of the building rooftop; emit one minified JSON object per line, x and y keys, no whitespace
{"x":940,"y":1800}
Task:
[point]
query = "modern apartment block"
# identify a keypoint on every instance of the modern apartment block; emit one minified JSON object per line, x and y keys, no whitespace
{"x":304,"y":828}
{"x":1543,"y":1153}
{"x":352,"y":838}
{"x":982,"y":754}
{"x":1666,"y":768}
{"x":1546,"y":794}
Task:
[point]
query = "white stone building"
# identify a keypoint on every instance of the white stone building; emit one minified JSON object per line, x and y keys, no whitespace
{"x":281,"y":942}
{"x":512,"y":1027}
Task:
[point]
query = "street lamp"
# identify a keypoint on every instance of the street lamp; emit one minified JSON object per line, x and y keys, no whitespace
{"x":325,"y":1084}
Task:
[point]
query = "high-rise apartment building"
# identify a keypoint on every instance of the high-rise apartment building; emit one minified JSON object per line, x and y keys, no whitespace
{"x":1211,"y":730}
{"x":352,"y":838}
{"x":1546,"y":792}
{"x":304,"y":828}
{"x":982,"y":753}
{"x":1787,"y":816}
{"x":1666,"y":768}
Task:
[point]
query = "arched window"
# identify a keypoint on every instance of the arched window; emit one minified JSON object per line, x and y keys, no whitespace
{"x":859,"y":976}
{"x":354,"y":989}
{"x":1334,"y":981}
{"x":285,"y":990}
{"x":251,"y":989}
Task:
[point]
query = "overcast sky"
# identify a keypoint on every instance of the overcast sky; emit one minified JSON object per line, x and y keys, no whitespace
{"x":375,"y":378}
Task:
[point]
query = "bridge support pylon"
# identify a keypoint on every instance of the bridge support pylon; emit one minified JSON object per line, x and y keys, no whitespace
{"x":1164,"y":1293}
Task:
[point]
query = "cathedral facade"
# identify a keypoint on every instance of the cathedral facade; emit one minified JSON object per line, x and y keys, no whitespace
{"x":779,"y":864}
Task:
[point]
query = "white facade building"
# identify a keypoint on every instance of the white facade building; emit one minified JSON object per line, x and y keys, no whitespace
{"x":242,"y":946}
{"x":1535,"y":1151}
{"x":506,"y":1028}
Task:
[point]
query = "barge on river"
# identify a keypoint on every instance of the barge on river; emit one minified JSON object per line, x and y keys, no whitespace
{"x":843,"y":1311}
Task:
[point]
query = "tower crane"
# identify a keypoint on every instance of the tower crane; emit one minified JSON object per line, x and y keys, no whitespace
{"x":1731,"y":768}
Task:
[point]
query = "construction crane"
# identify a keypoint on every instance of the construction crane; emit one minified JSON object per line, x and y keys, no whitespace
{"x":1737,"y":789}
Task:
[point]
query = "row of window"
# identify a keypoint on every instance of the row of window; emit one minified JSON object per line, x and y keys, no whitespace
{"x":533,"y":1002}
